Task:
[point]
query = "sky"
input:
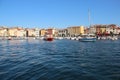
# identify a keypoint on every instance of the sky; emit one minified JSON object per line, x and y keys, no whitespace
{"x":58,"y":13}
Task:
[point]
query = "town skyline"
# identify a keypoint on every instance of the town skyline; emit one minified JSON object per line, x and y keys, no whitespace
{"x":59,"y":14}
{"x":110,"y":29}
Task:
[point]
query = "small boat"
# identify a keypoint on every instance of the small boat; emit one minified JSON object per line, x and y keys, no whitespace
{"x":48,"y":37}
{"x":9,"y":38}
{"x":72,"y":38}
{"x":58,"y":38}
{"x":114,"y":38}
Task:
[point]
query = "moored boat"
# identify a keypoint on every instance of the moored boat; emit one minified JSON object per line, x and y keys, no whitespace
{"x":49,"y":37}
{"x":9,"y":38}
{"x":88,"y":38}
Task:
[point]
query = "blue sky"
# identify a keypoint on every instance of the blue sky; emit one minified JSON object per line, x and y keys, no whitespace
{"x":58,"y":13}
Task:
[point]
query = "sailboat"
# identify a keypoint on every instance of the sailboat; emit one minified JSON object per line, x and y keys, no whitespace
{"x":88,"y":37}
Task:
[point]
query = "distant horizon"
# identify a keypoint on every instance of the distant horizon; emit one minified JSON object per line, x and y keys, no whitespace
{"x":58,"y":13}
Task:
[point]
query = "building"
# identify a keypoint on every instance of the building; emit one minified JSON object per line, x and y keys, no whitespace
{"x":92,"y":30}
{"x":62,"y":32}
{"x":75,"y":30}
{"x":112,"y":29}
{"x":3,"y":32}
{"x":86,"y":30}
{"x":16,"y":32}
{"x":12,"y":32}
{"x":21,"y":32}
{"x":118,"y":30}
{"x":37,"y":32}
{"x":100,"y":29}
{"x":51,"y":31}
{"x":30,"y":33}
{"x":42,"y":32}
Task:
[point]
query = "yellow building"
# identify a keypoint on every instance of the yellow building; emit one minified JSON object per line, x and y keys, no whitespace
{"x":12,"y":31}
{"x":75,"y":30}
{"x":21,"y":32}
{"x":42,"y":32}
{"x":100,"y":29}
{"x":103,"y":29}
{"x":16,"y":32}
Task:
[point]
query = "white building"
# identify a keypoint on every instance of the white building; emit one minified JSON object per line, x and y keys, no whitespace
{"x":37,"y":32}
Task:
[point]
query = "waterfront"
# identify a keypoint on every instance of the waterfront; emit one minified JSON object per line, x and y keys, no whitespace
{"x":59,"y":60}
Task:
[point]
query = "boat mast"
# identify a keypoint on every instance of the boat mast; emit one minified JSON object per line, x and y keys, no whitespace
{"x":89,"y":18}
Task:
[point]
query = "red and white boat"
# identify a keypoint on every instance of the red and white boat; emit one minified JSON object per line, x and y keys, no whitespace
{"x":48,"y":37}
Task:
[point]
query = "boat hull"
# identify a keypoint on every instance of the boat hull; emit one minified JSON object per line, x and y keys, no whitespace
{"x":88,"y":39}
{"x":48,"y":39}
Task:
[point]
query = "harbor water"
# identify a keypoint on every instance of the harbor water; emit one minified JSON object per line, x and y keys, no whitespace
{"x":59,"y":60}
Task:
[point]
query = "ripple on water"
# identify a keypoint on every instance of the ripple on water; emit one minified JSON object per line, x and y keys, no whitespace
{"x":59,"y":60}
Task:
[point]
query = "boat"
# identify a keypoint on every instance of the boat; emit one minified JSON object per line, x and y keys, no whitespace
{"x":72,"y":38}
{"x":88,"y":38}
{"x":58,"y":38}
{"x":9,"y":38}
{"x":114,"y":38}
{"x":48,"y":37}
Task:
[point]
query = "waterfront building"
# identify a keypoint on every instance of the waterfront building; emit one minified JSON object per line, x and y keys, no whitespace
{"x":3,"y":32}
{"x":30,"y":32}
{"x":16,"y":32}
{"x":37,"y":32}
{"x":12,"y":32}
{"x":100,"y":29}
{"x":92,"y":30}
{"x":112,"y":29}
{"x":42,"y":32}
{"x":56,"y":33}
{"x":62,"y":32}
{"x":21,"y":32}
{"x":51,"y":31}
{"x":75,"y":30}
{"x":118,"y":30}
{"x":86,"y":30}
